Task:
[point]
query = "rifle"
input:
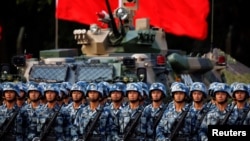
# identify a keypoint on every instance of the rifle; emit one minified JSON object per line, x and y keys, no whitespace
{"x":157,"y":120}
{"x":205,"y":110}
{"x":133,"y":125}
{"x":92,"y":125}
{"x":11,"y":120}
{"x":204,"y":113}
{"x":244,"y":116}
{"x":224,"y":121}
{"x":49,"y":125}
{"x":177,"y":127}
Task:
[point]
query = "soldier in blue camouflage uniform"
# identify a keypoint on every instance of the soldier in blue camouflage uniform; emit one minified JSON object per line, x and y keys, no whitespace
{"x":129,"y":113}
{"x":211,"y":92}
{"x":179,"y":93}
{"x":116,"y":93}
{"x":104,"y":128}
{"x":145,"y":99}
{"x":29,"y":112}
{"x":85,"y":85}
{"x":198,"y":110}
{"x":45,"y":114}
{"x":240,"y":95}
{"x":65,"y":89}
{"x":77,"y":93}
{"x":7,"y":110}
{"x":247,"y":118}
{"x":105,"y":86}
{"x":151,"y":113}
{"x":21,"y":101}
{"x":216,"y":115}
{"x":43,"y":98}
{"x":1,"y":91}
{"x":248,"y":86}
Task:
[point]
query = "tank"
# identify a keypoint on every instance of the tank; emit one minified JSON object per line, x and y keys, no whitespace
{"x":126,"y":51}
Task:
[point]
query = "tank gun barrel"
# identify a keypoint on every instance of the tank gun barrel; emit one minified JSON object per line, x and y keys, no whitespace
{"x":113,"y":24}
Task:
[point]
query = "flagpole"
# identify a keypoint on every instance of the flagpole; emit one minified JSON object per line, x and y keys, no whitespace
{"x":56,"y":28}
{"x":56,"y":33}
{"x":212,"y":26}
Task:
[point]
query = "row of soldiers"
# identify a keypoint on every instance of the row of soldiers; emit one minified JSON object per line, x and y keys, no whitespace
{"x":118,"y":112}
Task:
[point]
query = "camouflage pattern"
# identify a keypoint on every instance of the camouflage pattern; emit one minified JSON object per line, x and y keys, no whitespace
{"x":29,"y":118}
{"x":15,"y":131}
{"x":71,"y":123}
{"x":168,"y":122}
{"x":1,"y":91}
{"x":193,"y":120}
{"x":153,"y":112}
{"x":126,"y":116}
{"x":115,"y":112}
{"x":214,"y":117}
{"x":21,"y":101}
{"x":145,"y":89}
{"x":148,"y":117}
{"x":69,"y":115}
{"x":71,"y":111}
{"x":247,"y":119}
{"x":105,"y":127}
{"x":44,"y":116}
{"x":240,"y":93}
{"x":239,"y":113}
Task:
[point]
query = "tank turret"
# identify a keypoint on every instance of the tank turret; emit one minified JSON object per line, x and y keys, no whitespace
{"x":128,"y":50}
{"x":135,"y":44}
{"x":125,"y":38}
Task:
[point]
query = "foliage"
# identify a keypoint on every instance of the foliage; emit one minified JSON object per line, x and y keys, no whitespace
{"x":232,"y":77}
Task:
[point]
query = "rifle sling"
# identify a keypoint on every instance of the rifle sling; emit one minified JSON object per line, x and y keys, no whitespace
{"x":157,"y":120}
{"x":244,"y":116}
{"x":224,"y":121}
{"x":94,"y":121}
{"x":178,"y":126}
{"x":132,"y":124}
{"x":10,"y":121}
{"x":49,"y":124}
{"x":205,"y":110}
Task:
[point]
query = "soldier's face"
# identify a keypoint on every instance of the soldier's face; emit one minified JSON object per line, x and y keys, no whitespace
{"x":34,"y":95}
{"x":116,"y":96}
{"x":133,"y":96}
{"x":76,"y":96}
{"x":66,"y":100}
{"x":93,"y":96}
{"x":240,"y":95}
{"x":179,"y":97}
{"x":197,"y":96}
{"x":221,"y":97}
{"x":50,"y":96}
{"x":9,"y":95}
{"x":156,"y":95}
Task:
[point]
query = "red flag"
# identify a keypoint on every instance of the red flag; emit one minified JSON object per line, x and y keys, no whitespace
{"x":179,"y":17}
{"x":82,"y":11}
